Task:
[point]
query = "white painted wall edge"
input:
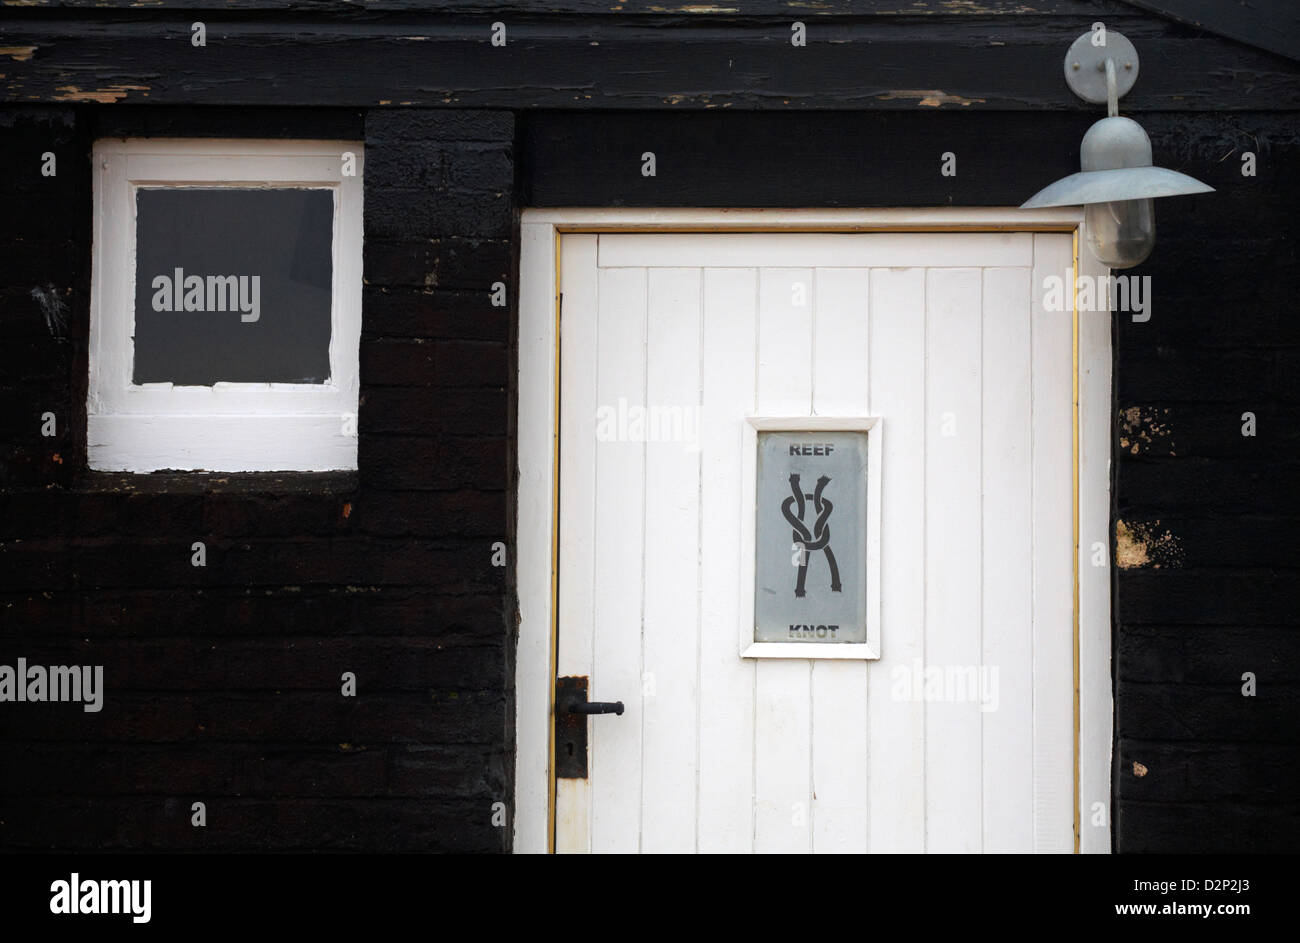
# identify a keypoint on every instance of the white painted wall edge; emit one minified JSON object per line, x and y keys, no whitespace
{"x":537,"y":427}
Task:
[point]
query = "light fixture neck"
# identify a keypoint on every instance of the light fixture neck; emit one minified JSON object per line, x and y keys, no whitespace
{"x":1112,"y":92}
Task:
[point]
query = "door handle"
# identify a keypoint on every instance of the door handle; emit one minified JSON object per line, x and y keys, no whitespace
{"x":571,"y":712}
{"x":596,"y":707}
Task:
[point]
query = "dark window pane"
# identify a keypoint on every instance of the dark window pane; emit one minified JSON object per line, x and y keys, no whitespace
{"x":253,"y":300}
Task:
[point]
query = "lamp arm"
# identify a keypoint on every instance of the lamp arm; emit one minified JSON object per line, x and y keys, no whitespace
{"x":1112,"y":93}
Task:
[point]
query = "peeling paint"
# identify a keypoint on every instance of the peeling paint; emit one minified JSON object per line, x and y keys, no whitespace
{"x":928,"y":98}
{"x":105,"y":96}
{"x":21,"y":53}
{"x":1144,"y":429}
{"x":697,"y":8}
{"x":1142,"y":545}
{"x":974,"y":7}
{"x":1139,"y":770}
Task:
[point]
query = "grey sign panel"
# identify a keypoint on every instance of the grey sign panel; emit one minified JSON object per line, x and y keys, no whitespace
{"x":810,"y":537}
{"x":233,"y":284}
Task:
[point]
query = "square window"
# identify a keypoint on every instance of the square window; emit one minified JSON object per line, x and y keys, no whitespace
{"x":226,"y":306}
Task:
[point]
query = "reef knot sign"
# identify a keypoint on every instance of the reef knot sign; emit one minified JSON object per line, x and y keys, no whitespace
{"x":811,"y":537}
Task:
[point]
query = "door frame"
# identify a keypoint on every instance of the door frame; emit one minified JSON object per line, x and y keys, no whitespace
{"x":537,"y":506}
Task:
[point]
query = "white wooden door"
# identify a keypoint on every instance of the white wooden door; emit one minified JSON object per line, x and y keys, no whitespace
{"x":943,"y":337}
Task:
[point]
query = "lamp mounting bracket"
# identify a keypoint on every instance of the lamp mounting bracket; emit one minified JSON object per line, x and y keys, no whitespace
{"x":1086,"y":72}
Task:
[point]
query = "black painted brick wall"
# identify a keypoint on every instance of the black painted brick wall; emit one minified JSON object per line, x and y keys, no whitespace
{"x":223,"y":683}
{"x":245,"y":713}
{"x":1211,"y":589}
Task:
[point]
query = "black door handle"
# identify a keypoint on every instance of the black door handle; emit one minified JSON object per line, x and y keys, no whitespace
{"x":571,"y":711}
{"x":596,"y":707}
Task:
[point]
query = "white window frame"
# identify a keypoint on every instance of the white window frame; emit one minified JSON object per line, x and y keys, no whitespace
{"x":749,"y":648}
{"x":225,"y":427}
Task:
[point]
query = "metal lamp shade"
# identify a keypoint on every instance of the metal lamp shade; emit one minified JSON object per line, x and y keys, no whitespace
{"x":1112,"y":186}
{"x":1115,"y":157}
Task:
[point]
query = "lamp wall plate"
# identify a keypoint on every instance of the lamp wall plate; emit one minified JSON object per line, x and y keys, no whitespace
{"x":1085,"y":66}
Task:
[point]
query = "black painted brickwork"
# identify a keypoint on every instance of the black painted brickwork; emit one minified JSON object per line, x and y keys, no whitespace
{"x":1212,"y":589}
{"x":223,"y":683}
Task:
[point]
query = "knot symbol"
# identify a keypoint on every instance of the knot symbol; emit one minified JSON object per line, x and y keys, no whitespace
{"x":818,"y":538}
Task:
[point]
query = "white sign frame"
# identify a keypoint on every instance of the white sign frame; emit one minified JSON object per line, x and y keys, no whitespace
{"x":753,"y":425}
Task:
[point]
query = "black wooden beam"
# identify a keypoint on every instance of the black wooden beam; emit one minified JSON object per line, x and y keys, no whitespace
{"x":1268,"y":24}
{"x":899,"y":63}
{"x":790,"y":9}
{"x":808,"y":159}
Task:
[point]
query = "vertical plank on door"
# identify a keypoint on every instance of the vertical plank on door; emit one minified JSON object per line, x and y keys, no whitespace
{"x":782,"y":709}
{"x":1008,"y":548}
{"x":839,"y":688}
{"x":726,"y":731}
{"x":577,"y":507}
{"x":615,"y":742}
{"x":954,"y":805}
{"x":1053,"y":598}
{"x":669,"y":690}
{"x":895,"y":793}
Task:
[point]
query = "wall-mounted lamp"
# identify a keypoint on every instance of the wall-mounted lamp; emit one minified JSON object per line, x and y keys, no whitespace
{"x":1116,"y":182}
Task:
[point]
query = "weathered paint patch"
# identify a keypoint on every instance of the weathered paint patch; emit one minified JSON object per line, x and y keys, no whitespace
{"x":105,"y":96}
{"x":971,"y":6}
{"x":928,"y":98}
{"x":21,"y":53}
{"x":1144,"y":430}
{"x":1143,"y":545}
